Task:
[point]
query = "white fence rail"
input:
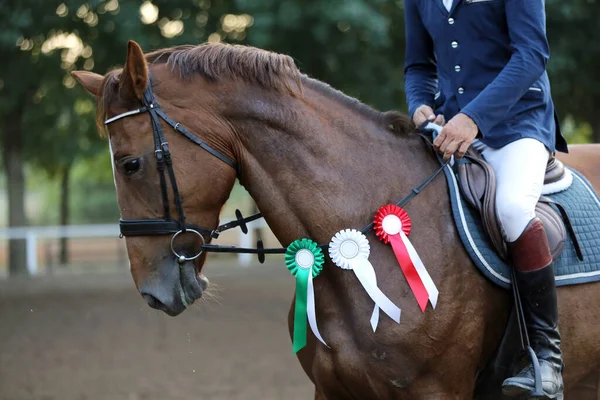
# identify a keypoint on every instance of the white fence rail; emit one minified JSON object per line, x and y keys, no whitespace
{"x":31,"y":235}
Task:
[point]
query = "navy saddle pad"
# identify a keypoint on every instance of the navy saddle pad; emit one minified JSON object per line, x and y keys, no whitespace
{"x":583,"y":207}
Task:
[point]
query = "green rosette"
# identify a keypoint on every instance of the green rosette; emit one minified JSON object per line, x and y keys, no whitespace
{"x":304,"y":259}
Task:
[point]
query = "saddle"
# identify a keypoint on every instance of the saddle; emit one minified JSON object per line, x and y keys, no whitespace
{"x":477,"y":183}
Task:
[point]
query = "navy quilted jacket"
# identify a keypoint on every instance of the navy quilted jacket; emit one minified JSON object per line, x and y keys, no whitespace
{"x":487,"y":59}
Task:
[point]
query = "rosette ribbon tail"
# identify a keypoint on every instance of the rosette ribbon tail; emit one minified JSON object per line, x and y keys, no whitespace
{"x":430,"y":287}
{"x":304,"y":309}
{"x":365,"y":273}
{"x":368,"y":275}
{"x":410,"y":272}
{"x":300,"y":309}
{"x":310,"y":312}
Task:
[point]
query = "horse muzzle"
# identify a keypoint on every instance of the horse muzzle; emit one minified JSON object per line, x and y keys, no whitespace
{"x":173,"y":286}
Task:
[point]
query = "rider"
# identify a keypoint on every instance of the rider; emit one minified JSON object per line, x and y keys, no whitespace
{"x":482,"y":65}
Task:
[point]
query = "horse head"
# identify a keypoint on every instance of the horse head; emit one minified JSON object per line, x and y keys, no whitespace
{"x":203,"y":182}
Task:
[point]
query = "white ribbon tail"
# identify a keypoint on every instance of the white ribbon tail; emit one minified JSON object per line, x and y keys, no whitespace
{"x":432,"y":290}
{"x":369,"y":273}
{"x":310,"y":309}
{"x":375,"y":317}
{"x":361,"y":269}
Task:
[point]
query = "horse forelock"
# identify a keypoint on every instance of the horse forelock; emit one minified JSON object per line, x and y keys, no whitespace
{"x":109,"y":90}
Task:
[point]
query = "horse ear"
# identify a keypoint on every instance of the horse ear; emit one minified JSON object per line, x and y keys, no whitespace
{"x":91,"y":81}
{"x":134,"y":77}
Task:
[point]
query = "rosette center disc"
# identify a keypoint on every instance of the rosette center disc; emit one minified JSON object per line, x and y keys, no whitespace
{"x":349,"y":249}
{"x":391,"y":225}
{"x":305,"y":259}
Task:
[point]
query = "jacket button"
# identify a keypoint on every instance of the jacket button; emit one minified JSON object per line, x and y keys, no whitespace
{"x":461,"y":90}
{"x":457,"y":68}
{"x":454,"y":44}
{"x":451,"y":21}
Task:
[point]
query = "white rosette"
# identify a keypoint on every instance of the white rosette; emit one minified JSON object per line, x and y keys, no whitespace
{"x":349,"y":249}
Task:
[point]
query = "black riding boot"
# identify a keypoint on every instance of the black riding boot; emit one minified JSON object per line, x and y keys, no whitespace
{"x":535,"y":278}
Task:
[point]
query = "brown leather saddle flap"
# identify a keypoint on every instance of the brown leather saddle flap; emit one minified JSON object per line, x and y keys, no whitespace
{"x":477,"y":183}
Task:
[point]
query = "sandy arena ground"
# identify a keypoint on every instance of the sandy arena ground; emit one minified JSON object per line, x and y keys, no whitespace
{"x":88,"y":337}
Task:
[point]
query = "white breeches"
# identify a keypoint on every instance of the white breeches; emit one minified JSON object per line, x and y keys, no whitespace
{"x":520,"y":168}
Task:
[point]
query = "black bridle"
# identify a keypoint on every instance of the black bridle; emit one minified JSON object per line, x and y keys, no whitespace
{"x":169,"y":226}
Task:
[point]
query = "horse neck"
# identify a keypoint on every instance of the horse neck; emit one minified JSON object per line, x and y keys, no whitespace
{"x":315,"y":164}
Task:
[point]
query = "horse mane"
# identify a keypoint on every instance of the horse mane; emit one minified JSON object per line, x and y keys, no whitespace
{"x":220,"y":61}
{"x":394,"y":120}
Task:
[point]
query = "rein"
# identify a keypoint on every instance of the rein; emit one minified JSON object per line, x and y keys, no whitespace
{"x":261,"y":251}
{"x":167,"y":225}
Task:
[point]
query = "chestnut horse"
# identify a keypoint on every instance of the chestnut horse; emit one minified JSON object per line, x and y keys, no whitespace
{"x":316,"y":161}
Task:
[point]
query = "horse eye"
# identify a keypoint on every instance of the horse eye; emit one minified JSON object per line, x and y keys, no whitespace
{"x":131,"y":166}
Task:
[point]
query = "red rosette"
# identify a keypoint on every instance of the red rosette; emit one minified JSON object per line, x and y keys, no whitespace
{"x":385,"y":211}
{"x":390,"y":221}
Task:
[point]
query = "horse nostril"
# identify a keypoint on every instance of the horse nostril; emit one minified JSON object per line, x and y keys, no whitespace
{"x":153,"y":302}
{"x":159,"y":305}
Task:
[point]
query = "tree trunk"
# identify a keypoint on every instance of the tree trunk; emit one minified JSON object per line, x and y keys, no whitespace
{"x":13,"y":164}
{"x":64,"y":212}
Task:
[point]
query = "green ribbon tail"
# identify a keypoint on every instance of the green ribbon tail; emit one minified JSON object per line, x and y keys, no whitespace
{"x":300,"y":309}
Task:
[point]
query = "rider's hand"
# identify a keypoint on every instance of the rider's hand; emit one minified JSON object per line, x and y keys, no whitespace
{"x":425,"y":113}
{"x":458,"y":134}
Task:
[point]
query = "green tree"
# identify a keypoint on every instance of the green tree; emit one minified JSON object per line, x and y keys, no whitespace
{"x":356,"y":46}
{"x":19,"y":82}
{"x":36,"y":108}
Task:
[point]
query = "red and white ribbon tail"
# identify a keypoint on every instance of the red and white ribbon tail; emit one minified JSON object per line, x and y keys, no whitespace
{"x":408,"y":269}
{"x":432,"y":290}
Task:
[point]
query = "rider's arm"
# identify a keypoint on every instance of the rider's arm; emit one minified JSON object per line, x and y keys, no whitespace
{"x":420,"y":74}
{"x":526,"y":21}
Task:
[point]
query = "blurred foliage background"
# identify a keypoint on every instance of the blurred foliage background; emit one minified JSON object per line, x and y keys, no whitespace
{"x":56,"y":169}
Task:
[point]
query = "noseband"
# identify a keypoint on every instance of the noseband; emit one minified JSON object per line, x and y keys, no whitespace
{"x":175,"y":227}
{"x":167,"y":225}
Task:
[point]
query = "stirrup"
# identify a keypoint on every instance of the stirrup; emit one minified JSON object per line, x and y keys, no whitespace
{"x":537,"y":374}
